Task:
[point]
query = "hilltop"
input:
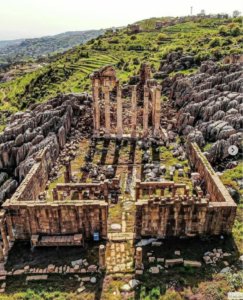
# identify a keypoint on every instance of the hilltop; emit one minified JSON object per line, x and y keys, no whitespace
{"x":186,"y":45}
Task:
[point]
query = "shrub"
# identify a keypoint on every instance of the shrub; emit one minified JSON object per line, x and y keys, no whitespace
{"x":231,"y":26}
{"x":133,"y":37}
{"x":161,"y":36}
{"x":223,"y":30}
{"x":216,"y":42}
{"x":136,"y":47}
{"x":236,"y":31}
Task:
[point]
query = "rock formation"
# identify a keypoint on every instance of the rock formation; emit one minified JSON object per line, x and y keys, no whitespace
{"x":211,"y":101}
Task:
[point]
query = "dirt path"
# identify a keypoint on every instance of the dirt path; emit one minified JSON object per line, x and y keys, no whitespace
{"x":4,"y":97}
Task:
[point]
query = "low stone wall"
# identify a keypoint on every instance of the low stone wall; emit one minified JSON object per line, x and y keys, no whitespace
{"x":25,"y":219}
{"x":186,"y":215}
{"x":36,"y":179}
{"x":214,"y":185}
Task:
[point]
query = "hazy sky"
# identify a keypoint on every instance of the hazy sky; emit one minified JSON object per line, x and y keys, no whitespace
{"x":35,"y":18}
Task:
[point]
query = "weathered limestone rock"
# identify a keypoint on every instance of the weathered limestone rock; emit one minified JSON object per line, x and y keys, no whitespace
{"x":211,"y":102}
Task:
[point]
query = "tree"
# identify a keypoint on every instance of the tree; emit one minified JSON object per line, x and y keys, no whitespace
{"x":236,"y":31}
{"x":236,"y":13}
{"x":133,"y":37}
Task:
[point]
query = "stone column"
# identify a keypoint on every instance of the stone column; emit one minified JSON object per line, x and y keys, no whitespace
{"x":137,"y":189}
{"x":187,"y":191}
{"x":102,"y":257}
{"x":68,"y":194}
{"x":68,"y":172}
{"x":151,"y":192}
{"x":96,"y":111}
{"x":157,"y":111}
{"x":104,"y":221}
{"x":134,"y":113}
{"x":10,"y":228}
{"x":4,"y":237}
{"x":139,"y":256}
{"x":119,"y":131}
{"x":145,"y":111}
{"x":106,"y":192}
{"x":153,"y":105}
{"x":107,"y":112}
{"x":55,"y":194}
{"x":1,"y":252}
{"x":162,"y":192}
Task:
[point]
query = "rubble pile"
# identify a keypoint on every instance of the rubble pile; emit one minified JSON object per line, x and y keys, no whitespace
{"x":214,"y":256}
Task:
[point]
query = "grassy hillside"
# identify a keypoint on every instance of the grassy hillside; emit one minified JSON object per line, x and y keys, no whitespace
{"x":126,"y":51}
{"x":40,"y":47}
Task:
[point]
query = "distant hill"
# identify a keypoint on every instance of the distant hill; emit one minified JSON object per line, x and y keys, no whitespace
{"x":32,"y":49}
{"x":69,"y":71}
{"x":8,"y":43}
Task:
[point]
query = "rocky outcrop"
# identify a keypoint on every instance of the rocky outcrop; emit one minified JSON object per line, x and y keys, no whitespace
{"x":7,"y":189}
{"x":210,"y":107}
{"x":176,"y":61}
{"x":43,"y":124}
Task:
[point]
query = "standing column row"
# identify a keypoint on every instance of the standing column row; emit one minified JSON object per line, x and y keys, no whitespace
{"x":134,"y":113}
{"x":157,"y":111}
{"x":145,"y":111}
{"x":96,"y":111}
{"x":107,"y":112}
{"x":119,"y":132}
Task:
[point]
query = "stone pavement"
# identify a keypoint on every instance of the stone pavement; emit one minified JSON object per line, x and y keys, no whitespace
{"x":119,"y":257}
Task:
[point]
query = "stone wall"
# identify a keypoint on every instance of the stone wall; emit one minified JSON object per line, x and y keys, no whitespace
{"x":186,"y":215}
{"x":25,"y":219}
{"x":214,"y":185}
{"x":183,"y":216}
{"x":35,"y":181}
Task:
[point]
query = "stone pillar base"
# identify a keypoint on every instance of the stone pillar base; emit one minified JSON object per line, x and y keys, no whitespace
{"x":139,"y":267}
{"x":134,"y":134}
{"x":96,"y":135}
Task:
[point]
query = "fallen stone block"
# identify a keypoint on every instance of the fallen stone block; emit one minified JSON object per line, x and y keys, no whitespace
{"x":152,"y":259}
{"x":154,"y":270}
{"x":92,"y":268}
{"x":18,"y":272}
{"x":174,"y":262}
{"x":156,"y":244}
{"x":37,"y":277}
{"x":2,"y":278}
{"x":192,"y":263}
{"x":86,"y":279}
{"x":81,"y":289}
{"x":160,"y":259}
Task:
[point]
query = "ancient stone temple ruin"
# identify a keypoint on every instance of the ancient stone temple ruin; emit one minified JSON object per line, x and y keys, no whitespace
{"x":74,"y":206}
{"x":106,"y":78}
